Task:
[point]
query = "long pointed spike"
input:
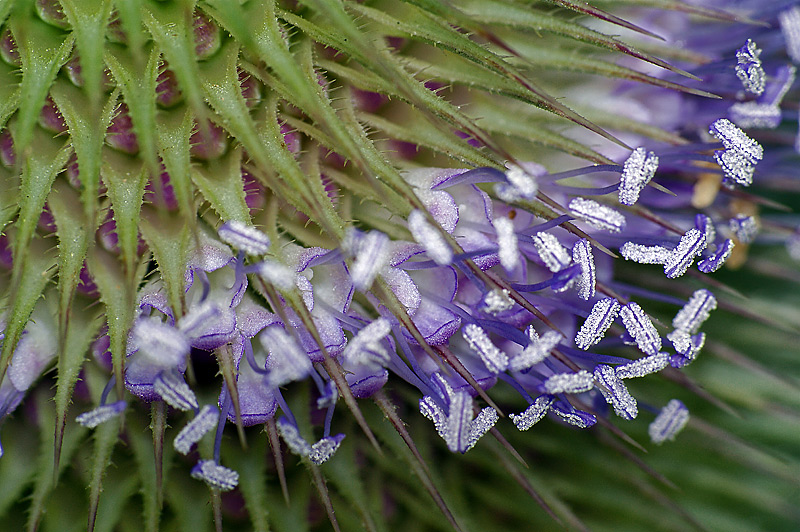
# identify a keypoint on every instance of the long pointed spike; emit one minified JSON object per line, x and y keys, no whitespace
{"x":716,"y":283}
{"x":525,"y":484}
{"x":216,"y":505}
{"x":57,"y":446}
{"x":277,"y":455}
{"x":322,"y":490}
{"x":331,"y":365}
{"x":752,"y":456}
{"x":388,"y":298}
{"x":507,"y":446}
{"x":586,"y":9}
{"x":733,"y":356}
{"x":638,"y":462}
{"x":457,"y":365}
{"x":687,"y":382}
{"x":663,"y":499}
{"x":420,"y":466}
{"x":159,"y":427}
{"x":616,"y":431}
{"x":522,"y":302}
{"x":226,"y":366}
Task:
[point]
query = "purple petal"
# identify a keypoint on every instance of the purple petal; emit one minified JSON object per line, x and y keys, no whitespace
{"x":210,"y":324}
{"x":257,"y":402}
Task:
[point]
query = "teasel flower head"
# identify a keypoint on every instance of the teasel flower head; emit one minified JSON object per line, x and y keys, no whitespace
{"x":233,"y":217}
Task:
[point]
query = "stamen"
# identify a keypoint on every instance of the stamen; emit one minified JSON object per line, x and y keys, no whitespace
{"x":735,"y":139}
{"x":579,"y":382}
{"x":296,"y":443}
{"x":615,"y":392}
{"x":322,"y":450}
{"x":366,"y":348}
{"x":741,"y":152}
{"x":306,"y":290}
{"x":755,"y":115}
{"x":681,"y":340}
{"x":715,"y":261}
{"x":639,"y":169}
{"x":744,"y":227}
{"x":597,"y":323}
{"x":244,"y":237}
{"x":690,"y":246}
{"x":552,"y":253}
{"x":777,"y":89}
{"x":535,"y":412}
{"x":100,"y":414}
{"x":643,"y":366}
{"x":432,"y":411}
{"x":507,"y":243}
{"x":790,"y":27}
{"x":286,"y":362}
{"x":210,"y":324}
{"x":429,"y":237}
{"x":669,"y":422}
{"x":215,"y":475}
{"x":645,"y":254}
{"x":477,"y":339}
{"x":748,"y":68}
{"x":578,"y":418}
{"x":497,"y":301}
{"x":582,"y":255}
{"x":695,"y":312}
{"x":738,"y":168}
{"x":199,"y":426}
{"x":536,"y":351}
{"x":370,"y":255}
{"x":459,"y":431}
{"x":456,"y":428}
{"x":689,"y":351}
{"x":277,"y":274}
{"x":174,"y":391}
{"x":160,"y":342}
{"x":641,"y":329}
{"x":705,"y":225}
{"x":479,"y":426}
{"x":597,"y":215}
{"x":521,"y":185}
